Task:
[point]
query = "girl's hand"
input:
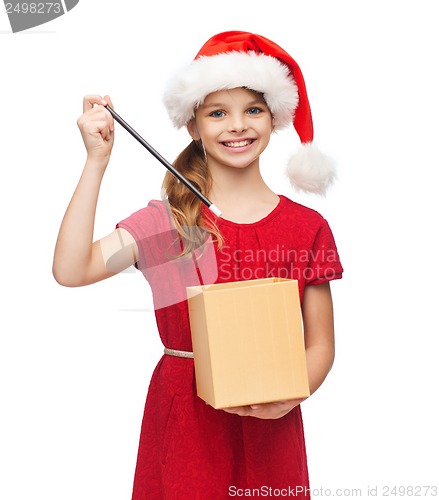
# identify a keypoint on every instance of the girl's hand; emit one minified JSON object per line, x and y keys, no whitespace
{"x":266,"y":410}
{"x":97,"y":127}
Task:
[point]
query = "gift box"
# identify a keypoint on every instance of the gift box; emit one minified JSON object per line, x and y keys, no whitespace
{"x":248,"y":343}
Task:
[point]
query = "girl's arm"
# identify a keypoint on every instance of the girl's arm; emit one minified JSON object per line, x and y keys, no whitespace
{"x":318,"y":322}
{"x":78,"y":260}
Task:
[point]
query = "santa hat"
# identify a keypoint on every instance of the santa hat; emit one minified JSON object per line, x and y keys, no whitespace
{"x":241,"y":59}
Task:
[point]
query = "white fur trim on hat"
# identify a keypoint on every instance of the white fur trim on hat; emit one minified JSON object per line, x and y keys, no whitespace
{"x":230,"y":70}
{"x":310,"y":171}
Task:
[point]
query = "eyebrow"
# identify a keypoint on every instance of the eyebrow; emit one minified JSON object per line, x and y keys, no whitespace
{"x":222,"y":105}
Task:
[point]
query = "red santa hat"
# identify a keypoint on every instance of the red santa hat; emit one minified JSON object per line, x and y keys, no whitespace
{"x":240,"y":59}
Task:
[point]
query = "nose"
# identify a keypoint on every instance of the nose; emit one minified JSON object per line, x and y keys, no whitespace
{"x":238,"y":123}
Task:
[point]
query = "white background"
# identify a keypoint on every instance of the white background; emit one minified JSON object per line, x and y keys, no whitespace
{"x":75,"y":363}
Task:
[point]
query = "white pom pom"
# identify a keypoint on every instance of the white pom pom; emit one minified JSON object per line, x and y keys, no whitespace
{"x":311,"y":171}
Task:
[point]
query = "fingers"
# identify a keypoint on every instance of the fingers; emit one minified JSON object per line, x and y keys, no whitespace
{"x":90,"y":100}
{"x":93,"y":100}
{"x":107,"y":99}
{"x":95,"y":115}
{"x":242,"y":411}
{"x":97,"y":125}
{"x":265,"y":410}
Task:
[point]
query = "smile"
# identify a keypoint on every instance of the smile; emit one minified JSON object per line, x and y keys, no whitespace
{"x":238,"y":144}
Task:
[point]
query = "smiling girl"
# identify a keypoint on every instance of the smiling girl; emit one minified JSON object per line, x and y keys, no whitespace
{"x":235,"y":127}
{"x":239,"y":89}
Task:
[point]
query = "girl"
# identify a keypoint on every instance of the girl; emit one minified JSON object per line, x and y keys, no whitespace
{"x":238,"y":90}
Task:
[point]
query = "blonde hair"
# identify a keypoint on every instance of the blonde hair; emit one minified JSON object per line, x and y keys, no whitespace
{"x":185,"y":206}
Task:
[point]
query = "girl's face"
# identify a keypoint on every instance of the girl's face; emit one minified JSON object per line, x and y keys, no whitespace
{"x":234,"y":126}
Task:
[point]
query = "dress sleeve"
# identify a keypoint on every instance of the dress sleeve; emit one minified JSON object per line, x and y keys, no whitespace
{"x":152,"y":231}
{"x":324,"y":262}
{"x":160,"y":255}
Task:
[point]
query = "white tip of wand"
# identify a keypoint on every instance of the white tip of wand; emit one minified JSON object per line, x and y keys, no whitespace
{"x":213,"y":208}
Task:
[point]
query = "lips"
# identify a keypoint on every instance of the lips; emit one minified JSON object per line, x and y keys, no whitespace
{"x":238,"y":144}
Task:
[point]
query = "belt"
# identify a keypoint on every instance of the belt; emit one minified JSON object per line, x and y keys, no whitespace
{"x":179,"y":354}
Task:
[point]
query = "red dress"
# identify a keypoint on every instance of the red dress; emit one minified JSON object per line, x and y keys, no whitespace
{"x":188,"y":450}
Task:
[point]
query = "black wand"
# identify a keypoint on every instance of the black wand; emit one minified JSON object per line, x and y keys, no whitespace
{"x":162,"y":160}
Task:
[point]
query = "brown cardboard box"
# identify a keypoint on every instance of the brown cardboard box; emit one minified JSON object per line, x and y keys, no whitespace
{"x":248,"y":342}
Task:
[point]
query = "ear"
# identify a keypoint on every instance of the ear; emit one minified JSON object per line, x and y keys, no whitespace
{"x":193,"y":130}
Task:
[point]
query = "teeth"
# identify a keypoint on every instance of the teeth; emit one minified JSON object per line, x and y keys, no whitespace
{"x":238,"y":144}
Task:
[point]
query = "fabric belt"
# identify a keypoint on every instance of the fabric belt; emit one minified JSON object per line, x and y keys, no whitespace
{"x":179,"y":354}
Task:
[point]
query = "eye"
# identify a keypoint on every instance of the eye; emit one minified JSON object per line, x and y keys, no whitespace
{"x":254,"y":111}
{"x":217,"y":113}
